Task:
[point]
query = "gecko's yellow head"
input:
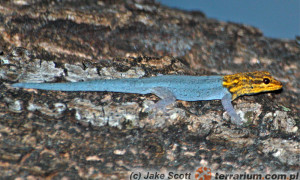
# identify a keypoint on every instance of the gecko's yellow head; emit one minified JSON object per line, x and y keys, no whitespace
{"x":250,"y":83}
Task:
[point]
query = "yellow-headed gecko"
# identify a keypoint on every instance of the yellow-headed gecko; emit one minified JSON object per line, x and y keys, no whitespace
{"x":171,"y":87}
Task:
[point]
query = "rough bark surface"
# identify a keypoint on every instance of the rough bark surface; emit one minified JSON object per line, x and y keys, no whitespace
{"x":47,"y":134}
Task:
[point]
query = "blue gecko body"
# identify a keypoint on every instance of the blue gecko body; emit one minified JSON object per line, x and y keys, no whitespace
{"x":187,"y":88}
{"x":168,"y":88}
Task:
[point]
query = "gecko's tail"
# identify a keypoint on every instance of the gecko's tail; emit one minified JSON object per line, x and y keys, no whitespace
{"x":49,"y":86}
{"x":116,"y":85}
{"x":18,"y":85}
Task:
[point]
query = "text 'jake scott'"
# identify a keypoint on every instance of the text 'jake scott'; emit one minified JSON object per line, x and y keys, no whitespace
{"x":156,"y":175}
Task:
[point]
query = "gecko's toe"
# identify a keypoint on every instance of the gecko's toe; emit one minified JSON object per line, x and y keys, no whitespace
{"x":237,"y":121}
{"x":157,"y":109}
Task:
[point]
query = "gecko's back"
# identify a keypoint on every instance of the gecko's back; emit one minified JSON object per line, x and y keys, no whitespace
{"x":188,"y":88}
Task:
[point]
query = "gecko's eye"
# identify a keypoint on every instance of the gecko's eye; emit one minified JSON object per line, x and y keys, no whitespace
{"x":266,"y":80}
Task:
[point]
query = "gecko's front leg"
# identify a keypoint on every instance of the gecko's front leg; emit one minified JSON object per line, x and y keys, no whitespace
{"x":226,"y":102}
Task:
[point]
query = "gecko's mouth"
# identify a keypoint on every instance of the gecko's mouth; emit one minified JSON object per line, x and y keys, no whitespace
{"x":277,"y":85}
{"x":274,"y":87}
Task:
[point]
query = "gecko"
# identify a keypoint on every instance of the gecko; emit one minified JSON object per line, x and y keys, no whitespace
{"x":170,"y":88}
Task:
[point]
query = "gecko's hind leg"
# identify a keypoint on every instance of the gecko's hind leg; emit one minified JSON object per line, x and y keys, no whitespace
{"x":166,"y":98}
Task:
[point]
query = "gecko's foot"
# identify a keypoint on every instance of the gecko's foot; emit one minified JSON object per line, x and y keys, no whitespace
{"x":159,"y":108}
{"x":155,"y":114}
{"x":237,"y":121}
{"x":156,"y":109}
